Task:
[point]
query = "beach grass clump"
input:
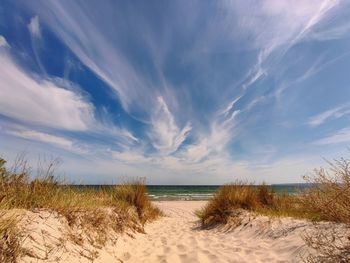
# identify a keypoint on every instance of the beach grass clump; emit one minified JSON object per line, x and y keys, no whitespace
{"x":18,"y":191}
{"x":256,"y":198}
{"x":329,"y":199}
{"x":92,"y":212}
{"x":265,"y":195}
{"x":46,"y":191}
{"x":287,"y":205}
{"x":228,"y":198}
{"x":10,"y":243}
{"x":134,"y":193}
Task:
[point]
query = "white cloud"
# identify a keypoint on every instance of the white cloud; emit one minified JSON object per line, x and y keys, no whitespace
{"x":165,"y":135}
{"x":335,"y":113}
{"x":332,"y":33}
{"x":341,"y":136}
{"x":80,"y":29}
{"x":289,"y":22}
{"x":272,"y":27}
{"x":34,"y":27}
{"x":134,"y":158}
{"x":214,"y":143}
{"x":43,"y":137}
{"x":40,"y":102}
{"x":41,"y":142}
{"x":3,"y":42}
{"x":230,"y":106}
{"x":197,"y":152}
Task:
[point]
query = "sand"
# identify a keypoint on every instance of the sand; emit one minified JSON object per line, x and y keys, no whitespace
{"x":178,"y":238}
{"x":174,"y":238}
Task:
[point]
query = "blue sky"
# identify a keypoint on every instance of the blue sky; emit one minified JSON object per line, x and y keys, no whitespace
{"x":179,"y":92}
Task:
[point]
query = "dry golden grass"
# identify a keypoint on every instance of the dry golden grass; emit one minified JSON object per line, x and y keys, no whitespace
{"x":330,"y":246}
{"x":322,"y":202}
{"x":240,"y":195}
{"x":10,"y":243}
{"x":330,"y":196}
{"x":225,"y":200}
{"x":134,"y":194}
{"x":329,"y":199}
{"x":93,"y":211}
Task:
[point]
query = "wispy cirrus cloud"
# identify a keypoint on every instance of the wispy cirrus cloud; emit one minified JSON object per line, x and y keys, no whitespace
{"x":340,"y":136}
{"x":42,"y":102}
{"x":51,"y":103}
{"x":81,"y":31}
{"x":34,"y":27}
{"x":166,"y":136}
{"x":3,"y":42}
{"x":177,"y":90}
{"x":334,"y":113}
{"x":43,"y":137}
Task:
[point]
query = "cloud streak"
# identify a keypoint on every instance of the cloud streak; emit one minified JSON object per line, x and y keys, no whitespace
{"x":34,"y":27}
{"x":335,"y":113}
{"x":41,"y":102}
{"x":166,"y":136}
{"x":3,"y":42}
{"x":341,"y":136}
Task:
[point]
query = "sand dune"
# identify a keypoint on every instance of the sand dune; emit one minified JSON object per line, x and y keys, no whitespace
{"x":175,"y":238}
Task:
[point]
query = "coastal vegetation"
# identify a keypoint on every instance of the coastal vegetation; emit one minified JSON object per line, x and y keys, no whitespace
{"x":256,"y":198}
{"x":327,"y":199}
{"x":94,"y":211}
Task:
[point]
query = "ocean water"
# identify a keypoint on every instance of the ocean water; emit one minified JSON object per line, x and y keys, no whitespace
{"x":205,"y":192}
{"x":196,"y":192}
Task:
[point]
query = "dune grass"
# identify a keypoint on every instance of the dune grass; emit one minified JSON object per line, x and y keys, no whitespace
{"x":46,"y":191}
{"x":134,"y":194}
{"x":330,"y":196}
{"x":94,"y":211}
{"x":327,"y":200}
{"x":10,"y":244}
{"x":225,"y":200}
{"x":257,"y":198}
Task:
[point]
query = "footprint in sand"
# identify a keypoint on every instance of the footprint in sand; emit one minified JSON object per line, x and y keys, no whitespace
{"x":167,"y":249}
{"x":163,"y":240}
{"x":236,"y":249}
{"x":126,"y":256}
{"x":162,"y":259}
{"x":181,"y":247}
{"x":208,"y":254}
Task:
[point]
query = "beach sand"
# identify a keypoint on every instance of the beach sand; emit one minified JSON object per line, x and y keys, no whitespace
{"x":175,"y":238}
{"x":178,"y":238}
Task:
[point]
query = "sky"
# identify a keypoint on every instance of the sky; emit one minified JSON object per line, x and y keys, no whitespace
{"x":178,"y":92}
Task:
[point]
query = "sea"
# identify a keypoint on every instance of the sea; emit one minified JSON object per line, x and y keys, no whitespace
{"x":205,"y":192}
{"x":199,"y":192}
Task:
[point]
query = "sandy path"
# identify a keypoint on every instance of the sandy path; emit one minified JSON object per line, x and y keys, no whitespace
{"x":176,"y":238}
